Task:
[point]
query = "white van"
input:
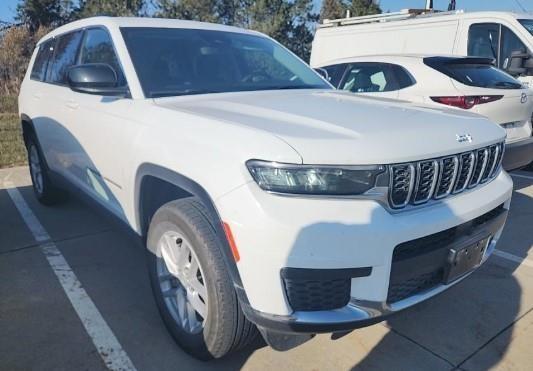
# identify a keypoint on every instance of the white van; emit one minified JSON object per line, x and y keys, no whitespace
{"x":497,"y":35}
{"x":505,"y":37}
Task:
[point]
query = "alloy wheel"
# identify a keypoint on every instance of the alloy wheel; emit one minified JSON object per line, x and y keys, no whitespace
{"x":182,"y":283}
{"x":36,"y":170}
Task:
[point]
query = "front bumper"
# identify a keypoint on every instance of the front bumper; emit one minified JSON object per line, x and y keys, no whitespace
{"x":518,"y":154}
{"x":357,"y":313}
{"x":274,"y":232}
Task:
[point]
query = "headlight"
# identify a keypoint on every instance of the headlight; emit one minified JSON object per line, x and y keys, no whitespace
{"x":314,"y":179}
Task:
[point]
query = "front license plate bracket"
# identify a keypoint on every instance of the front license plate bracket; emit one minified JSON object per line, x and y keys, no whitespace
{"x":462,"y":260}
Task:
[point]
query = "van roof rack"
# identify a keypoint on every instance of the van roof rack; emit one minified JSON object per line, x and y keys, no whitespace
{"x":386,"y":17}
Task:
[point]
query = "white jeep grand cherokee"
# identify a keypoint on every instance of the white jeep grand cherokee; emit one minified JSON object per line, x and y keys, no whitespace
{"x":266,"y":198}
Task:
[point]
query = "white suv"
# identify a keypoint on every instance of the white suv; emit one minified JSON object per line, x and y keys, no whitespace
{"x":266,"y":198}
{"x":466,"y":83}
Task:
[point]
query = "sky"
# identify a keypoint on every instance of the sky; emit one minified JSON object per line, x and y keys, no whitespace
{"x":7,"y":7}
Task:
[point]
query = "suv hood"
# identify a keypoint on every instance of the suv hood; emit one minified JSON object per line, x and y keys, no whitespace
{"x":333,"y":127}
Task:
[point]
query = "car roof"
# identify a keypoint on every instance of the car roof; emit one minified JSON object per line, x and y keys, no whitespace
{"x":117,"y":22}
{"x":394,"y":58}
{"x":383,"y":58}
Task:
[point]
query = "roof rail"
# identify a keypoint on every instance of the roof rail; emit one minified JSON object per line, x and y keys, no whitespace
{"x":386,"y":17}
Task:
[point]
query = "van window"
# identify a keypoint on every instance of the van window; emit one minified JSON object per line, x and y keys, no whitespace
{"x":38,"y":71}
{"x":528,"y":24}
{"x":98,"y":48}
{"x":65,"y":53}
{"x":370,"y":77}
{"x":483,"y":40}
{"x":510,"y":43}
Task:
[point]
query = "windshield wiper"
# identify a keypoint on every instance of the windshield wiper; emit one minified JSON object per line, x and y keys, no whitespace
{"x":289,"y":87}
{"x":175,"y":93}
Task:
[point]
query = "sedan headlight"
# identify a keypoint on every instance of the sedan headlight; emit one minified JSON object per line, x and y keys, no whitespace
{"x":314,"y":179}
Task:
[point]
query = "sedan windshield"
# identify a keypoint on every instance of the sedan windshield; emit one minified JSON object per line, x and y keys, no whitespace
{"x":176,"y":61}
{"x":528,"y":24}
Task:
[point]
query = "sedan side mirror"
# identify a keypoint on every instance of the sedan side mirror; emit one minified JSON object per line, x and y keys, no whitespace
{"x":95,"y":78}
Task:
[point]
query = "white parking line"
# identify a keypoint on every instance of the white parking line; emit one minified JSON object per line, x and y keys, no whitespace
{"x":522,"y":176}
{"x":101,"y":335}
{"x":514,"y":258}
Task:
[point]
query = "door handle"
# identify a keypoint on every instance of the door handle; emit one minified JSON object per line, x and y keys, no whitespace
{"x":37,"y":95}
{"x":72,"y":104}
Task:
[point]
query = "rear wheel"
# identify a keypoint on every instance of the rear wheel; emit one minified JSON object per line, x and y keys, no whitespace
{"x":191,"y":284}
{"x":43,"y":188}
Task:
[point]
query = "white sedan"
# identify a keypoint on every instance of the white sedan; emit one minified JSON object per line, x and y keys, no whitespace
{"x":464,"y":83}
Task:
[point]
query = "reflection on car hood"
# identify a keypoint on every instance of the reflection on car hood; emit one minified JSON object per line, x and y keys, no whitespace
{"x":333,"y":127}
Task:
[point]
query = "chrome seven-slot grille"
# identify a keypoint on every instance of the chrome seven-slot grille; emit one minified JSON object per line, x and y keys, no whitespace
{"x":415,"y":183}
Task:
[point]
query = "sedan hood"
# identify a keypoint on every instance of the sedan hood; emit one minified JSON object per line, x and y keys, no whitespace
{"x":332,"y":127}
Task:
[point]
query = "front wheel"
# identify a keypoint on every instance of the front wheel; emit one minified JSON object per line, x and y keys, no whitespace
{"x":192,"y":287}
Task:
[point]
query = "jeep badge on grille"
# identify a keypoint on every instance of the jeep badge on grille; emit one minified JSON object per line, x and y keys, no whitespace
{"x":463,"y":138}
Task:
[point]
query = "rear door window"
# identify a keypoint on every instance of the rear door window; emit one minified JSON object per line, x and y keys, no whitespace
{"x":403,"y":78}
{"x":65,"y":53}
{"x":483,"y":40}
{"x":370,"y":77}
{"x":38,"y":71}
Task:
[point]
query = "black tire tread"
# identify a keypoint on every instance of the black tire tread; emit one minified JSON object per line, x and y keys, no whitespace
{"x":51,"y":195}
{"x":235,"y":330}
{"x":245,"y":331}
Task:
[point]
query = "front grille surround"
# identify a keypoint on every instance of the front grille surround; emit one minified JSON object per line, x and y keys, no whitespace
{"x":425,"y":181}
{"x":479,"y":168}
{"x":493,"y":155}
{"x":403,"y":176}
{"x":417,"y":183}
{"x":448,"y":168}
{"x":466,"y":168}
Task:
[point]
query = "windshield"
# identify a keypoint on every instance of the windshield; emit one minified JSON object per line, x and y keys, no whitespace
{"x":528,"y":24}
{"x":175,"y":61}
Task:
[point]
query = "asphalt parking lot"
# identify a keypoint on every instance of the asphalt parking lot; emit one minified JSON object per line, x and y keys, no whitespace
{"x":484,"y":322}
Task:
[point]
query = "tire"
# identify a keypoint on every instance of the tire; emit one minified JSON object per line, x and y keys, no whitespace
{"x":45,"y":191}
{"x":181,"y":229}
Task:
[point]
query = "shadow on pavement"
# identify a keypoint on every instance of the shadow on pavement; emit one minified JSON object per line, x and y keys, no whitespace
{"x":457,"y":324}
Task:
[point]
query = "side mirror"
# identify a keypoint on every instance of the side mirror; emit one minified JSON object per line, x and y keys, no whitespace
{"x":95,"y":78}
{"x":518,"y":63}
{"x":322,"y":72}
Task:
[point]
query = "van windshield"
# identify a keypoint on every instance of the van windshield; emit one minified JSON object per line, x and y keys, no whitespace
{"x":528,"y":24}
{"x":176,"y":61}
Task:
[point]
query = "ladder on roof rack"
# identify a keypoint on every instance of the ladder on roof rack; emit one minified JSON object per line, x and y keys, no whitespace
{"x":386,"y":17}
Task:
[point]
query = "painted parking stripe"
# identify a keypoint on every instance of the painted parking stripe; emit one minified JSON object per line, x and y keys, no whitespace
{"x":514,"y":258}
{"x":522,"y":176}
{"x":101,"y":335}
